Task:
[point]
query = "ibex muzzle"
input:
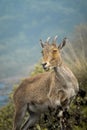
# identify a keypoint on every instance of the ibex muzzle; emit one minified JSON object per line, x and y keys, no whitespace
{"x":48,"y":90}
{"x":44,"y":65}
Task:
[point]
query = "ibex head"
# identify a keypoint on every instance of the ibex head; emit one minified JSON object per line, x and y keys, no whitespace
{"x":51,"y":53}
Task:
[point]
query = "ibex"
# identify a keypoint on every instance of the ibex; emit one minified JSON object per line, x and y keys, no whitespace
{"x":50,"y":89}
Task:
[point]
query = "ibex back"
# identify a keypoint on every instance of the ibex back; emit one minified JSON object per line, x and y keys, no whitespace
{"x":43,"y":91}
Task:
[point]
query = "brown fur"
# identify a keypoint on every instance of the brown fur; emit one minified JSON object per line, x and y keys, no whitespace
{"x":42,"y":91}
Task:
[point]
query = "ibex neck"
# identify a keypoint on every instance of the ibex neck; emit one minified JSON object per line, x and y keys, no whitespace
{"x":58,"y":68}
{"x":60,"y":75}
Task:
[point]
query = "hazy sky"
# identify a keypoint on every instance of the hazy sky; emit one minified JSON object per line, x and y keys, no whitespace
{"x":24,"y":22}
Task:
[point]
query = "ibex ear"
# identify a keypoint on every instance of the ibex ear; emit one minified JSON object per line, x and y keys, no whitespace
{"x":42,"y":44}
{"x":61,"y":45}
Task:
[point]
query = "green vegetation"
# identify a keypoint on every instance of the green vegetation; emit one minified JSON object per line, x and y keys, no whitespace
{"x":6,"y":117}
{"x":75,"y":56}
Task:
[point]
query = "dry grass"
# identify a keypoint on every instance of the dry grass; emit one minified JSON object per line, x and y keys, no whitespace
{"x":75,"y":56}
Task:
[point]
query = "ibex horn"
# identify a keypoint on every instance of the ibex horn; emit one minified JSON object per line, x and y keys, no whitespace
{"x":55,"y":38}
{"x":48,"y":39}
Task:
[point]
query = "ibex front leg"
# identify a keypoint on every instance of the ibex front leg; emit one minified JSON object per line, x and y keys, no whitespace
{"x":64,"y":121}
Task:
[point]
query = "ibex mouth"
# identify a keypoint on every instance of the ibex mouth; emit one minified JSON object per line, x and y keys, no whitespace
{"x":45,"y":67}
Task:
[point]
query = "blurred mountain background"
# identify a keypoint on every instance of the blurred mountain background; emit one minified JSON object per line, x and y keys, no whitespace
{"x":23,"y":23}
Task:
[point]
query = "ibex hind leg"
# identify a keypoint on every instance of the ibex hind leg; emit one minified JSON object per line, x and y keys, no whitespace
{"x":19,"y":114}
{"x":33,"y":118}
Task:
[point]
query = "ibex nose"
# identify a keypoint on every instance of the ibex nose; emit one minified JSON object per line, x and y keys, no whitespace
{"x":44,"y":65}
